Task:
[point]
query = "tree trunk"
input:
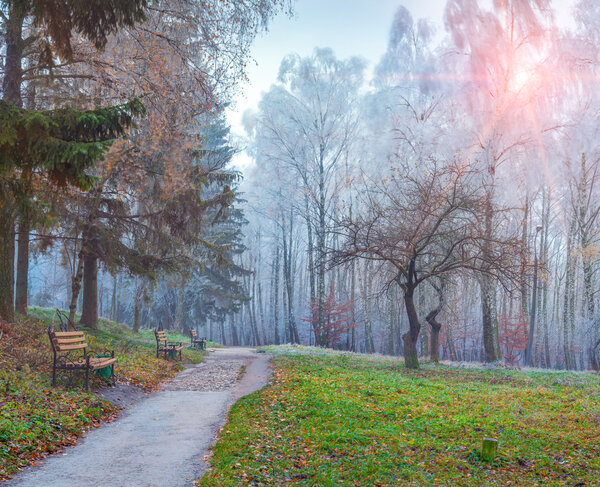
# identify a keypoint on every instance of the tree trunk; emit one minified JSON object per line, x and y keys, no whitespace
{"x":585,"y":239}
{"x":261,"y":315}
{"x":234,"y":333}
{"x":252,"y":312}
{"x":487,"y":290}
{"x":13,"y":60}
{"x":22,"y":267}
{"x":89,"y":311}
{"x":321,"y":249}
{"x":136,"y":311}
{"x":410,"y":338}
{"x":11,"y":91}
{"x":435,"y":340}
{"x":450,"y":342}
{"x":276,"y":272}
{"x":353,"y":300}
{"x":286,"y":330}
{"x":310,"y":251}
{"x":487,"y":308}
{"x":222,"y":330}
{"x":588,"y":286}
{"x":7,"y":257}
{"x":545,"y":266}
{"x":113,"y":301}
{"x":291,"y":328}
{"x":364,"y":283}
{"x":424,"y":336}
{"x":100,"y":291}
{"x":388,"y":346}
{"x":594,"y":362}
{"x":569,"y":298}
{"x":524,"y":259}
{"x":179,"y":307}
{"x":529,"y":355}
{"x":75,"y":286}
{"x":558,"y":279}
{"x":431,"y":318}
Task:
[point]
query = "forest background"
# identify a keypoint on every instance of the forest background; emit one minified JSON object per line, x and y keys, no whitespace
{"x":442,"y":204}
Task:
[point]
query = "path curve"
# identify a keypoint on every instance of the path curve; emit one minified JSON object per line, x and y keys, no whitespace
{"x":162,"y":440}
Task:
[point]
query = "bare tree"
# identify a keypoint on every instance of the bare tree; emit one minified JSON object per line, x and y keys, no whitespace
{"x":423,"y":223}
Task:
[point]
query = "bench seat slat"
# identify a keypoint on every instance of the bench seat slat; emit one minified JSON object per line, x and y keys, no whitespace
{"x":66,"y":341}
{"x":67,"y":333}
{"x":101,"y":362}
{"x":78,"y":346}
{"x":95,"y":363}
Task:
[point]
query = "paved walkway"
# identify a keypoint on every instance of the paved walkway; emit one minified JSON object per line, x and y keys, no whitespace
{"x":162,"y":440}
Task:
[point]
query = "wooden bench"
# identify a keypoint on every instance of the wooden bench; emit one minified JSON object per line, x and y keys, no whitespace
{"x":163,"y":345}
{"x":195,"y":342}
{"x":70,"y":353}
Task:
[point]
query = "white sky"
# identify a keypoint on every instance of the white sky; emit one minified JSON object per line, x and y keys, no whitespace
{"x":349,"y":27}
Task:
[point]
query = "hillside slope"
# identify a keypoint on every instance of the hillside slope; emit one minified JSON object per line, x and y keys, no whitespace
{"x":36,"y":419}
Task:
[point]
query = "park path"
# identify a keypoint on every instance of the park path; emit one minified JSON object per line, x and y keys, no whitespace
{"x":161,"y":441}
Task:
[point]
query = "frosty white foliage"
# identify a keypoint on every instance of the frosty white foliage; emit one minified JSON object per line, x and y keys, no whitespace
{"x":506,"y":94}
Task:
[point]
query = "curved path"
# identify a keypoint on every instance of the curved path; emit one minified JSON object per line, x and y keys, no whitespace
{"x":163,"y":439}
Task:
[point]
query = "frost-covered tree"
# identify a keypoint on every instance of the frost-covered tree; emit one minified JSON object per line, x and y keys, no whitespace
{"x":307,"y":124}
{"x":499,"y":52}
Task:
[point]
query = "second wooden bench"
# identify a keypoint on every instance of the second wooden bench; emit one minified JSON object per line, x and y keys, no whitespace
{"x":195,"y":342}
{"x":163,"y":346}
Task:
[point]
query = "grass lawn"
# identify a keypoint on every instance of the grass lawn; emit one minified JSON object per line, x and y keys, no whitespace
{"x":36,"y":419}
{"x":342,"y":419}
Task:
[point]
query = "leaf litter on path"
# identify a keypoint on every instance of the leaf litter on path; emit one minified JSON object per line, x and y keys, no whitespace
{"x":209,"y":376}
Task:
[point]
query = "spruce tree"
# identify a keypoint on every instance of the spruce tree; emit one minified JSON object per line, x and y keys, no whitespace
{"x":59,"y":144}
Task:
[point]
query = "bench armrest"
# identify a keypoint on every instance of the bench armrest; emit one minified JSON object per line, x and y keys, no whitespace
{"x":97,"y":351}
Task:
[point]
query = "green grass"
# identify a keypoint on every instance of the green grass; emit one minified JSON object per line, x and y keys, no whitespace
{"x":36,"y":419}
{"x":339,"y":419}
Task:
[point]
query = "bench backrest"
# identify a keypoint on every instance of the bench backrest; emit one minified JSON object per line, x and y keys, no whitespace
{"x":161,"y":336}
{"x":66,"y":341}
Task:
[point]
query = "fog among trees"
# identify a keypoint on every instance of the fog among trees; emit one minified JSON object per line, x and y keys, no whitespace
{"x":440,"y":205}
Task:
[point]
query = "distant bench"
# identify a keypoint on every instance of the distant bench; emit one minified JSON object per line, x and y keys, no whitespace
{"x":70,"y":353}
{"x":195,"y":342}
{"x":163,"y":345}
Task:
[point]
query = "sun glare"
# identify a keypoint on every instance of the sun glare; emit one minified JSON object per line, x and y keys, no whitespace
{"x":519,"y":80}
{"x":526,"y":70}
